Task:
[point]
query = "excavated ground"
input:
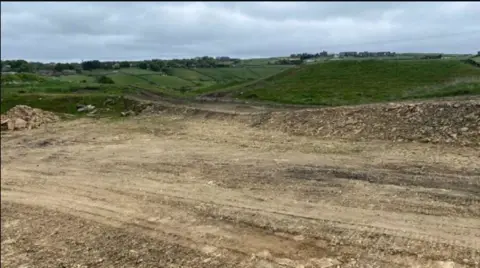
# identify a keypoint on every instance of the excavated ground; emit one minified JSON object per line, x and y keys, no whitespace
{"x":176,"y":190}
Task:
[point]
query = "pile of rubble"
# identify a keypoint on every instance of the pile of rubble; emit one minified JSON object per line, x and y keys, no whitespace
{"x":25,"y":117}
{"x":434,"y":122}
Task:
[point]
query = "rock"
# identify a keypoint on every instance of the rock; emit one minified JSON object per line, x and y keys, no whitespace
{"x":464,"y":129}
{"x":286,"y":262}
{"x":265,"y":254}
{"x":127,"y":113}
{"x":324,"y":262}
{"x":86,"y":108}
{"x":299,"y":238}
{"x":20,"y":123}
{"x":5,"y":123}
{"x":108,"y":102}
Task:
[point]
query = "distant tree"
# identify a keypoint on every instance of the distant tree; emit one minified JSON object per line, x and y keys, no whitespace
{"x":155,"y":67}
{"x":143,"y":65}
{"x":25,"y":68}
{"x":124,"y":64}
{"x":105,"y":80}
{"x":168,"y":71}
{"x":107,"y":65}
{"x":91,"y":65}
{"x":59,"y":67}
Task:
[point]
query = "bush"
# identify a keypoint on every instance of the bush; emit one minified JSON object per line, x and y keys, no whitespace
{"x":105,"y":80}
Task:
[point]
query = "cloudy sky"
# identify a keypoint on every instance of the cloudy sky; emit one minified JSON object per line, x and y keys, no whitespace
{"x":72,"y":31}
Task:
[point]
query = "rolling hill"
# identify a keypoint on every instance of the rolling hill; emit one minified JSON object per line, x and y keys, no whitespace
{"x":355,"y":82}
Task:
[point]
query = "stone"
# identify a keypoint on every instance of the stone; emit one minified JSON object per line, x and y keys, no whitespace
{"x":20,"y":123}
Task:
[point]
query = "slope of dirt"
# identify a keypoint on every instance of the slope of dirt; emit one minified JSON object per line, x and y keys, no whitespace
{"x":177,"y":191}
{"x":453,"y":121}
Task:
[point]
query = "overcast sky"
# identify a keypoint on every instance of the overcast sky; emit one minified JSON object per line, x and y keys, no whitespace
{"x":72,"y":31}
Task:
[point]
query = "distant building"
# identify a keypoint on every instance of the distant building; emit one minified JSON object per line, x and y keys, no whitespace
{"x":478,"y":53}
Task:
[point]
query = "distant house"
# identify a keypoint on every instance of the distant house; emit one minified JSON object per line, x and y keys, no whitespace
{"x":478,"y":53}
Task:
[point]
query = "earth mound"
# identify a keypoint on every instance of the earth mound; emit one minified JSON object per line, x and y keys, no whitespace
{"x":26,"y":117}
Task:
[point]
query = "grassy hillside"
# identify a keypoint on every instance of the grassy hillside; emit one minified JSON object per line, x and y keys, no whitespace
{"x":179,"y":78}
{"x":167,"y":81}
{"x":355,"y":82}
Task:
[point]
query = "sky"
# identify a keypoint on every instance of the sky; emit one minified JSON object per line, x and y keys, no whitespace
{"x":74,"y":31}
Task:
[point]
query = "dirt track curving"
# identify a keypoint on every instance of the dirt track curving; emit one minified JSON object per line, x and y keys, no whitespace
{"x":176,"y":191}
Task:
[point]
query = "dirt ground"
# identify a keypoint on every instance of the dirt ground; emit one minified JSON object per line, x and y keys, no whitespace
{"x":163,"y":191}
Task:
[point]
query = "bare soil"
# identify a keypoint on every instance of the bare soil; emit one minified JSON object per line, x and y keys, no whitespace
{"x":180,"y":191}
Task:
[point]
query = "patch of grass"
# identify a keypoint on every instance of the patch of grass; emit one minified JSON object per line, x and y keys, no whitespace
{"x":356,"y":82}
{"x":167,"y":81}
{"x":189,"y":74}
{"x":21,"y":78}
{"x":215,"y":87}
{"x":264,"y":71}
{"x":127,"y":79}
{"x":137,"y":71}
{"x":224,"y":75}
{"x":63,"y":103}
{"x":76,"y":78}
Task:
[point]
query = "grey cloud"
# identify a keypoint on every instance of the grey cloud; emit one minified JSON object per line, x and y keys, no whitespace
{"x":66,"y":31}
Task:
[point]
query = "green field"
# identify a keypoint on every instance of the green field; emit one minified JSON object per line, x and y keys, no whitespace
{"x":77,"y":78}
{"x":190,"y":75}
{"x":355,"y":82}
{"x":167,"y":81}
{"x":178,"y":78}
{"x":126,"y":79}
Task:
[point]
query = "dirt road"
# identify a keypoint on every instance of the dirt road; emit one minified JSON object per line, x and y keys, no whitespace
{"x":169,"y":192}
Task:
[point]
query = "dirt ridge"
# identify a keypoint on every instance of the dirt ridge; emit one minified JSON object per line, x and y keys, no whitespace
{"x":451,"y":122}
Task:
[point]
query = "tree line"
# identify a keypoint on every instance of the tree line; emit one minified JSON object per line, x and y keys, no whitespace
{"x":156,"y":65}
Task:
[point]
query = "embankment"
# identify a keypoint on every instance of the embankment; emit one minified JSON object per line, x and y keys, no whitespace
{"x":455,"y":122}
